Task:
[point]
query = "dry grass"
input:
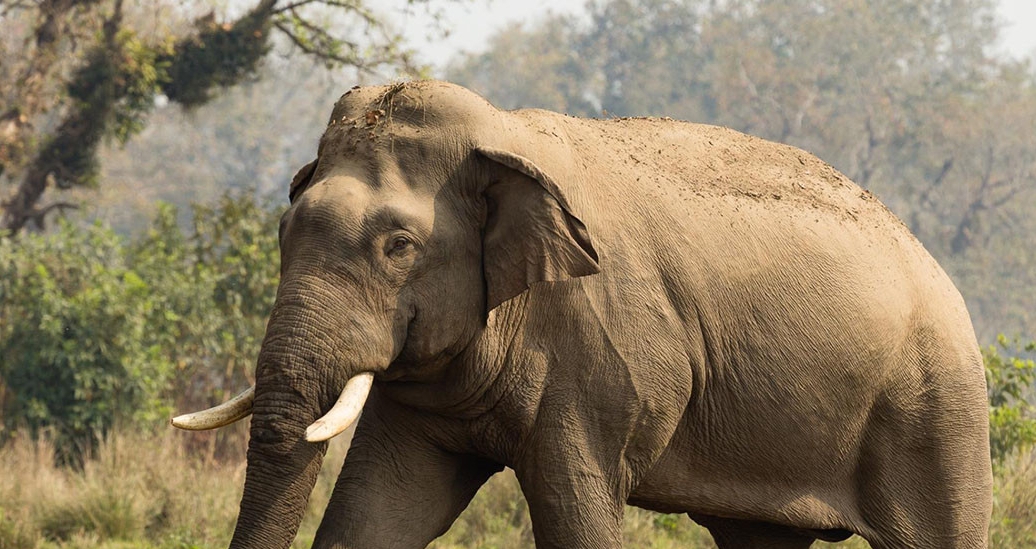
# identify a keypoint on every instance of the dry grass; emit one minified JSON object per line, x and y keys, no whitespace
{"x":146,"y":492}
{"x":1014,"y":504}
{"x":138,"y":492}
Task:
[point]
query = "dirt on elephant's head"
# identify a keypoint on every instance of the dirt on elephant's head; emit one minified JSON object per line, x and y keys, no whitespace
{"x":419,"y":103}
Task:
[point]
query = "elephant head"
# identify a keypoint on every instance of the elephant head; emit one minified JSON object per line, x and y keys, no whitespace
{"x":419,"y":216}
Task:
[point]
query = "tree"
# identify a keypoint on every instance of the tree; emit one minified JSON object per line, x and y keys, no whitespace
{"x":92,"y":70}
{"x":544,"y":68}
{"x":635,"y":58}
{"x":250,"y":138}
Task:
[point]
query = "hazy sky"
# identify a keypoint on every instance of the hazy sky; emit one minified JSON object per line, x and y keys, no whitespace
{"x":473,"y":22}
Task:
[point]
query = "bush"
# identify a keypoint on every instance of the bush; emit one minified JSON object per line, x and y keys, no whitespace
{"x":97,"y":330}
{"x":75,"y":339}
{"x":1012,"y":422}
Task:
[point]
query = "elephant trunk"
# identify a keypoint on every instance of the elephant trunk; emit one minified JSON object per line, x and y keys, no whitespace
{"x":299,"y":375}
{"x":282,"y":464}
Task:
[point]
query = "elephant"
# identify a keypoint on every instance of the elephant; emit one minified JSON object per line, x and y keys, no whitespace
{"x":640,"y":311}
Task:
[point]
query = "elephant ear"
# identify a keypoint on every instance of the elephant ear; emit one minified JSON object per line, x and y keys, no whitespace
{"x":531,"y":234}
{"x":301,"y":180}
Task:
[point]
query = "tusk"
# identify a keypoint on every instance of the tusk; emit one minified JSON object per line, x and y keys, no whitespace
{"x":345,"y":411}
{"x":230,"y":411}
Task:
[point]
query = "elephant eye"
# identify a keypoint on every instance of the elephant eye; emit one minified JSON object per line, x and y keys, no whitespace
{"x":399,"y":244}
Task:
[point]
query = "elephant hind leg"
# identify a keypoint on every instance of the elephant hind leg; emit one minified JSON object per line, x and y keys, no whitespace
{"x":924,"y":479}
{"x":744,"y":534}
{"x":925,"y":496}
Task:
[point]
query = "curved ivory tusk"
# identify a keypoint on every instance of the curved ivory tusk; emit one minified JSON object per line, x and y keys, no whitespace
{"x":230,"y":411}
{"x":345,"y":411}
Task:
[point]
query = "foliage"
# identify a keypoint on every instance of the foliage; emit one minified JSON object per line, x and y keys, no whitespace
{"x":1010,"y":379}
{"x":112,"y":75}
{"x":218,"y":56}
{"x":75,"y":339}
{"x":95,"y":330}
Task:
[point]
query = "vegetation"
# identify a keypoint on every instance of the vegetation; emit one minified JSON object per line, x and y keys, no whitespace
{"x":97,"y":330}
{"x":1012,"y":418}
{"x":91,"y":70}
{"x":134,"y":494}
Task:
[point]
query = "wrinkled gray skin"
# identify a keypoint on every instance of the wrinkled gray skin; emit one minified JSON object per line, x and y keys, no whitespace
{"x":676,"y":316}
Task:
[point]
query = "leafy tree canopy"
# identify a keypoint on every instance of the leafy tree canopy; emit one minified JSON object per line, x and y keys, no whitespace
{"x":77,"y":72}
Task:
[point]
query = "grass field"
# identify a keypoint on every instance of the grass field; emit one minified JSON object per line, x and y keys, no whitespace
{"x":146,"y":492}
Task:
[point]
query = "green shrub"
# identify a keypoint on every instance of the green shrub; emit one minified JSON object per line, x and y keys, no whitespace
{"x":74,"y":339}
{"x":96,"y":329}
{"x":1012,"y":421}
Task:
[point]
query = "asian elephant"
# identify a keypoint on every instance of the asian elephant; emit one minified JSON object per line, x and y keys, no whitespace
{"x":676,"y":316}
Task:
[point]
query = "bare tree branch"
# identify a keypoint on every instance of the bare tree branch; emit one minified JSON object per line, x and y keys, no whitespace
{"x":315,"y":40}
{"x":293,"y":6}
{"x":38,"y":217}
{"x":321,"y":54}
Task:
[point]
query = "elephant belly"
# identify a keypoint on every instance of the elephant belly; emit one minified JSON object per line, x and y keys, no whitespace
{"x":764,"y":472}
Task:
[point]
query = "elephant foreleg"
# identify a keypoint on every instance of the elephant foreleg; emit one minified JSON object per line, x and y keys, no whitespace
{"x":575,"y":501}
{"x":397,"y":490}
{"x":579,"y":464}
{"x":572,"y":511}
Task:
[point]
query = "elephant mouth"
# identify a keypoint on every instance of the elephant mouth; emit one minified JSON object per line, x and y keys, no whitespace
{"x":340,"y":417}
{"x":392,"y":374}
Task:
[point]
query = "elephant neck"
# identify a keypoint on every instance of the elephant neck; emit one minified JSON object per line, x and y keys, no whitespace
{"x":461,"y":390}
{"x":492,"y":388}
{"x":475,"y":380}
